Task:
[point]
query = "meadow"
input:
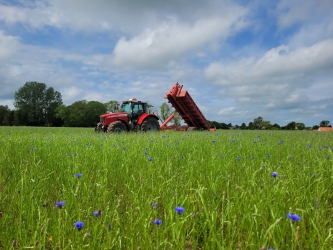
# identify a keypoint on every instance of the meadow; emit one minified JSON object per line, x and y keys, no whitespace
{"x":70,"y":188}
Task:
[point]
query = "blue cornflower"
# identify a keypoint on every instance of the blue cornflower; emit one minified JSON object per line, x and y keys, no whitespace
{"x":60,"y":204}
{"x":289,"y":157}
{"x":97,"y":213}
{"x":238,"y":159}
{"x":320,"y":149}
{"x":69,"y":155}
{"x":157,"y":222}
{"x":34,"y":149}
{"x":327,"y":157}
{"x":124,"y":148}
{"x":268,"y":156}
{"x":150,"y":159}
{"x":79,"y":225}
{"x":179,"y":210}
{"x":78,"y":175}
{"x":163,"y":136}
{"x":309,"y":146}
{"x":213,"y":141}
{"x":293,"y":217}
{"x":154,"y":205}
{"x":233,"y":140}
{"x":274,"y":174}
{"x":145,"y":152}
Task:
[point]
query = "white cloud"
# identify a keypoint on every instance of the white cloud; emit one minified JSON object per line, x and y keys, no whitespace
{"x":8,"y":45}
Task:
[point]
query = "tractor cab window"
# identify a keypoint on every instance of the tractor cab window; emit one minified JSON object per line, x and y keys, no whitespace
{"x":137,"y":108}
{"x":126,"y":107}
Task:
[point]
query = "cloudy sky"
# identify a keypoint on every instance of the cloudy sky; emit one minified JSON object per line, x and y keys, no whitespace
{"x":238,"y":59}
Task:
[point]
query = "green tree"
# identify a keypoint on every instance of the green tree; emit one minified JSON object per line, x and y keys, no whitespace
{"x":111,"y":106}
{"x":93,"y":111}
{"x":224,"y":125}
{"x":251,"y":126}
{"x":81,"y":113}
{"x":243,"y":126}
{"x":176,"y":119}
{"x":276,"y":126}
{"x":291,"y":125}
{"x":300,"y":125}
{"x":266,"y":125}
{"x":62,"y":113}
{"x":36,"y":104}
{"x":257,"y":122}
{"x":315,"y":127}
{"x":4,"y":110}
{"x":165,"y":111}
{"x":9,"y":118}
{"x":324,"y":124}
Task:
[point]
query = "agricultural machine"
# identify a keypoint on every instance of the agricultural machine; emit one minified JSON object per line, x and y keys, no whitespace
{"x":134,"y":115}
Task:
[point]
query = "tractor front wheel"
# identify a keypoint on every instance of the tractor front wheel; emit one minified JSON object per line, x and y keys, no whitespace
{"x":150,"y":124}
{"x":117,"y":127}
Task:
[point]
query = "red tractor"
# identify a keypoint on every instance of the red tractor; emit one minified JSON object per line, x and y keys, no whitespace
{"x":132,"y":115}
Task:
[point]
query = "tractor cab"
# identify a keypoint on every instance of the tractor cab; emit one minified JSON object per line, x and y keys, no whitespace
{"x":135,"y":109}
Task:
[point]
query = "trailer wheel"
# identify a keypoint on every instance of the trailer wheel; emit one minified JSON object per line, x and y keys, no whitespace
{"x":117,"y":127}
{"x":150,"y":124}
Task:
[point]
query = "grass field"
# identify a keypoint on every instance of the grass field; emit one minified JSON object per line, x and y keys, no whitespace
{"x":165,"y":190}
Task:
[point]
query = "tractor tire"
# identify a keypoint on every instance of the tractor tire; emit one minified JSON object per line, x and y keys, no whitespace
{"x":117,"y":127}
{"x":150,"y":124}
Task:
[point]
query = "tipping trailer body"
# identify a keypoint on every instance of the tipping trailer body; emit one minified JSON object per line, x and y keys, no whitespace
{"x":186,"y":108}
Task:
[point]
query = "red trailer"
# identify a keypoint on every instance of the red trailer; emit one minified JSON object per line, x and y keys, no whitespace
{"x":187,"y":109}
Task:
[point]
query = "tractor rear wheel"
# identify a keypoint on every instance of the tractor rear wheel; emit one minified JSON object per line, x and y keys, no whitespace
{"x":117,"y":127}
{"x":150,"y":124}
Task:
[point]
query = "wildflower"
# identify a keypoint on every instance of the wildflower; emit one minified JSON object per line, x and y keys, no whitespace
{"x":124,"y":149}
{"x":157,"y":222}
{"x":268,"y":156}
{"x":233,"y":140}
{"x":327,"y":157}
{"x":150,"y":159}
{"x":163,"y":136}
{"x":145,"y":152}
{"x":34,"y":149}
{"x":78,"y":175}
{"x":320,"y":149}
{"x":179,"y":210}
{"x":238,"y":159}
{"x":60,"y":204}
{"x":309,"y":146}
{"x":97,"y":213}
{"x":274,"y":174}
{"x":213,"y":141}
{"x":79,"y":225}
{"x":289,"y":157}
{"x":293,"y":217}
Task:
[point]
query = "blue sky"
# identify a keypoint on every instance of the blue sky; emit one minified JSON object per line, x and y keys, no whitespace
{"x":238,"y":59}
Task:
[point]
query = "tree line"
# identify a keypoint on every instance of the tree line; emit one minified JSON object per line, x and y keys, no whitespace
{"x":38,"y":105}
{"x":259,"y":123}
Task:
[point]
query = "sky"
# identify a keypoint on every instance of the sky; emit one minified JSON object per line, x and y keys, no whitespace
{"x":238,"y":59}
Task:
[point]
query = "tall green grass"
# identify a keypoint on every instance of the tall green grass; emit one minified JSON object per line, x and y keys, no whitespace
{"x":222,"y":179}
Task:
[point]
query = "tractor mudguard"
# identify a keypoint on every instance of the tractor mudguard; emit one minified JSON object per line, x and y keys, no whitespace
{"x":144,"y":116}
